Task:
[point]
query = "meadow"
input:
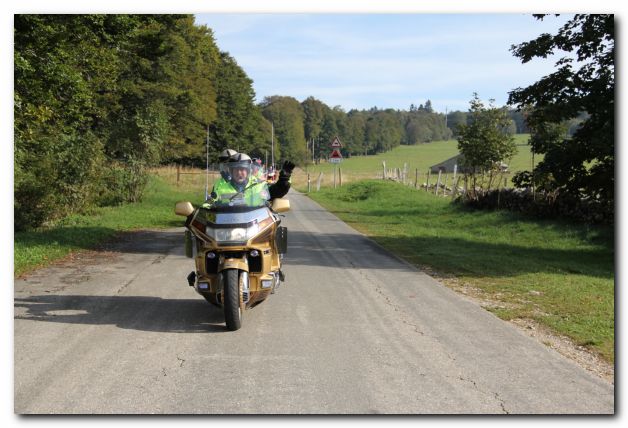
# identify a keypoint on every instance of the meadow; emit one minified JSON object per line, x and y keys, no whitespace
{"x":420,"y":156}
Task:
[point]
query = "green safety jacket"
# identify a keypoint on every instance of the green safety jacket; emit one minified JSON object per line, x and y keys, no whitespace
{"x":255,"y":194}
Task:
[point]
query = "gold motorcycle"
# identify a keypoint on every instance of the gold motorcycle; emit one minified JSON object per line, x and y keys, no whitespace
{"x":237,"y":251}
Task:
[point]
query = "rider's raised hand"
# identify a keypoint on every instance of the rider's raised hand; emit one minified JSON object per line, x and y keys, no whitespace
{"x":288,"y":167}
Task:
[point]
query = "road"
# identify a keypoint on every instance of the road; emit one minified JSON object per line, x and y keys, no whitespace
{"x":353,"y":330}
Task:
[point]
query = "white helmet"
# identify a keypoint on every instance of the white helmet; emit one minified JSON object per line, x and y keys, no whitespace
{"x":240,"y":157}
{"x":226,"y":154}
{"x":239,"y":161}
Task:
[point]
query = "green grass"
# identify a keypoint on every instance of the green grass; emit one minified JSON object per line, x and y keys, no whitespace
{"x":40,"y":247}
{"x":560,"y":275}
{"x":420,"y":156}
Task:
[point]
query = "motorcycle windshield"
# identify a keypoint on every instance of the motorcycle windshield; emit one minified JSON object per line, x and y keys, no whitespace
{"x":236,"y":216}
{"x":230,"y":225}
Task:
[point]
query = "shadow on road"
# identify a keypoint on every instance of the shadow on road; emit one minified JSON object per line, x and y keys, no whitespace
{"x":458,"y":255}
{"x":139,"y":241}
{"x":338,"y":250}
{"x":127,"y":312}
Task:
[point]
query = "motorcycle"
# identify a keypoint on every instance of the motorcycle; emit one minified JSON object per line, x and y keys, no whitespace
{"x":237,"y":251}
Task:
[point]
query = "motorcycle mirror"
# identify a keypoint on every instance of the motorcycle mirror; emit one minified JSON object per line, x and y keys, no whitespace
{"x":183,"y":208}
{"x":281,"y":205}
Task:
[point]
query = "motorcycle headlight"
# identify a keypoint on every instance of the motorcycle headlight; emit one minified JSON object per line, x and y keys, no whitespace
{"x":237,"y":234}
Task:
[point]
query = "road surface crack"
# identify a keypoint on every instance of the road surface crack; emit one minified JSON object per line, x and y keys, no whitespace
{"x":495,"y":395}
{"x":181,"y":361}
{"x":501,"y":403}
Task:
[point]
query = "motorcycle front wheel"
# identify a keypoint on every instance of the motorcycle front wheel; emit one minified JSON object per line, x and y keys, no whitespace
{"x":231,"y":299}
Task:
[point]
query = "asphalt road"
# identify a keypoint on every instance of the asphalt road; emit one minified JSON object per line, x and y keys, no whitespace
{"x":353,"y":330}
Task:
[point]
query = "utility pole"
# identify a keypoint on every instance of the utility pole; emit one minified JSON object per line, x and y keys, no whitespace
{"x":272,"y":144}
{"x":207,"y":165}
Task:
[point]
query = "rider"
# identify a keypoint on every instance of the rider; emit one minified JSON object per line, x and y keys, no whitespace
{"x":241,"y":180}
{"x":256,"y":169}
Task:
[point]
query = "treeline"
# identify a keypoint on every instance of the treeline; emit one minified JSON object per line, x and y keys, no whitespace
{"x":366,"y":132}
{"x":99,"y":98}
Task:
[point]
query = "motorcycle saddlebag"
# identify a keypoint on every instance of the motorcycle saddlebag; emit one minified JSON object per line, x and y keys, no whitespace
{"x":281,"y":239}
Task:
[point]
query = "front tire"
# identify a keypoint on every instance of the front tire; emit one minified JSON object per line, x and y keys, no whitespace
{"x":231,"y":299}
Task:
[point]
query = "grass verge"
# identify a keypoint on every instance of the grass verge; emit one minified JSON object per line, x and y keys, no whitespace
{"x":558,"y":274}
{"x":39,"y":247}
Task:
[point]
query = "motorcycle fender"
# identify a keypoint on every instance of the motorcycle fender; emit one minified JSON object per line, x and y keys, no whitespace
{"x":240,"y":264}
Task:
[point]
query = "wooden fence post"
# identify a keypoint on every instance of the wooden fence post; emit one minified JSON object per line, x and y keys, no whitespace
{"x":318,"y":184}
{"x":309,"y":184}
{"x":416,"y":177}
{"x":384,"y":166}
{"x":178,"y":173}
{"x":438,"y":182}
{"x":334,"y":177}
{"x":454,"y":191}
{"x":339,"y":177}
{"x":427,"y":187}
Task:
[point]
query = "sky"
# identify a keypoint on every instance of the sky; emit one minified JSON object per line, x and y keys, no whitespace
{"x":362,"y":60}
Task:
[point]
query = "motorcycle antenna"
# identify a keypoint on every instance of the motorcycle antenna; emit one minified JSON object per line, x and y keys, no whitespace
{"x":272,"y":144}
{"x":207,"y":166}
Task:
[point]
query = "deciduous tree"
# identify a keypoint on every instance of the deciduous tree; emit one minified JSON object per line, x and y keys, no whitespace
{"x":583,"y":81}
{"x":484,"y":143}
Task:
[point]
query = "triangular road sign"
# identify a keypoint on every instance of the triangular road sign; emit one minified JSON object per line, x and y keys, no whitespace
{"x":335,"y":154}
{"x":336,"y":142}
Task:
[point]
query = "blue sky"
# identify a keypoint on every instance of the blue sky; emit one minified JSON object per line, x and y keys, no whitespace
{"x":361,"y":60}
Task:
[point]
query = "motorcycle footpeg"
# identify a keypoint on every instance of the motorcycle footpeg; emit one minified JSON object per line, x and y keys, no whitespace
{"x":191,"y":279}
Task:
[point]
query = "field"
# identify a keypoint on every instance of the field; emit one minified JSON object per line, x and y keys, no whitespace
{"x":557,"y":274}
{"x":420,"y":156}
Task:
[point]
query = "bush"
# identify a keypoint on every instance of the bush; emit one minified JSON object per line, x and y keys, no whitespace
{"x":544,"y":205}
{"x":122,"y":183}
{"x":55,"y":178}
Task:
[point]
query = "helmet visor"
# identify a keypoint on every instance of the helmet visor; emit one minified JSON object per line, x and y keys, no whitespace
{"x":240,"y":171}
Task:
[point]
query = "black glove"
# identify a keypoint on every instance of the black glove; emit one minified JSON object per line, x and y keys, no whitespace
{"x":287,"y":167}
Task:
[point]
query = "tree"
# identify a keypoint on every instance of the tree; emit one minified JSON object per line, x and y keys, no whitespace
{"x":286,"y":115}
{"x":98,"y":98}
{"x":239,"y":122}
{"x":583,"y":164}
{"x":455,"y":119}
{"x":66,"y":67}
{"x":484,"y":143}
{"x":354,"y":138}
{"x":313,"y":110}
